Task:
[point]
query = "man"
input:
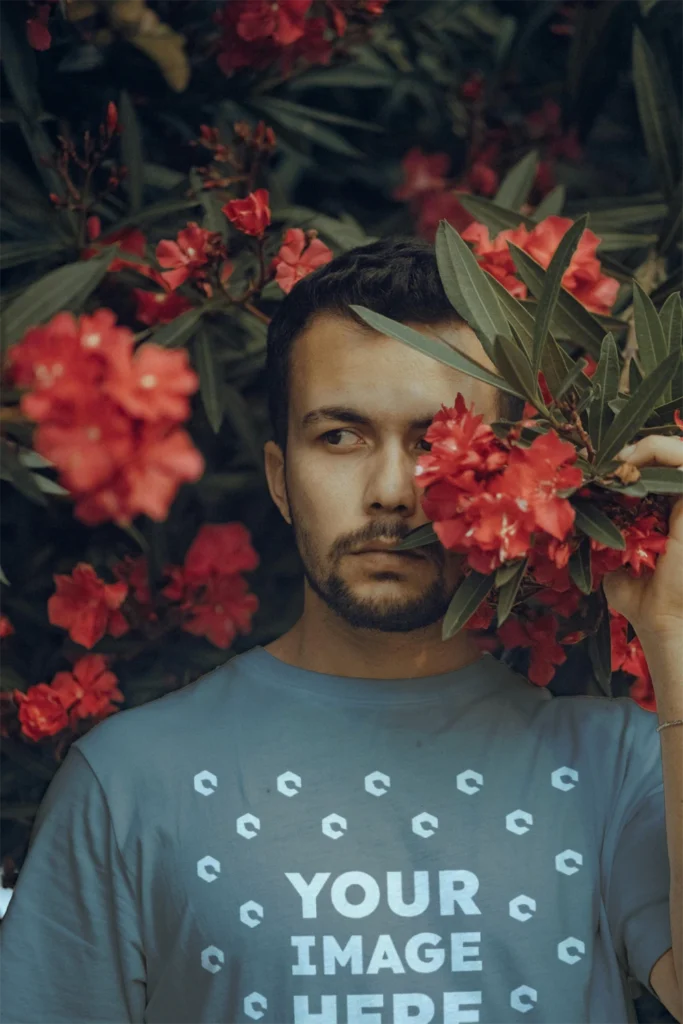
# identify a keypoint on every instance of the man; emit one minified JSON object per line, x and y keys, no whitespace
{"x":358,"y":822}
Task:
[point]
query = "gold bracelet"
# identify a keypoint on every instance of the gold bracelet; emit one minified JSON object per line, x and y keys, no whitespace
{"x":679,"y":721}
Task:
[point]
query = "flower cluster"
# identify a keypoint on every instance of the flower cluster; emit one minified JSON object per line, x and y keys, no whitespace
{"x":583,"y":277}
{"x":209,"y":587}
{"x":87,"y":691}
{"x":264,"y":33}
{"x":499,"y":503}
{"x":108,"y":415}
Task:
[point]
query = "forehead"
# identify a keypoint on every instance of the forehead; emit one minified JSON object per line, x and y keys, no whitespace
{"x":335,"y":361}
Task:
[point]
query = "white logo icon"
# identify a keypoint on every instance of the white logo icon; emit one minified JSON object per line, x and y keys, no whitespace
{"x":251,"y":913}
{"x":208,"y":868}
{"x":377,"y":783}
{"x":334,"y":826}
{"x":561,"y":862}
{"x":522,"y":901}
{"x":567,"y":944}
{"x":251,"y":1002}
{"x":523,"y":992}
{"x":421,"y":823}
{"x":211,"y":954}
{"x":243,"y":824}
{"x":289,"y":783}
{"x":465,"y":781}
{"x":515,"y":816}
{"x":205,"y":783}
{"x":560,"y":783}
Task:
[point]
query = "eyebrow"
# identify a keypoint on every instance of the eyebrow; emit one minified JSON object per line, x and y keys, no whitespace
{"x":348,"y":415}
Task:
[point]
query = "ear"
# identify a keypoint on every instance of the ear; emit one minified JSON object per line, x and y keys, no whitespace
{"x":275,"y":474}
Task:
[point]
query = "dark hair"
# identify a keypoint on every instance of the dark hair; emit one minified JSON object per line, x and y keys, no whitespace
{"x":397,"y":277}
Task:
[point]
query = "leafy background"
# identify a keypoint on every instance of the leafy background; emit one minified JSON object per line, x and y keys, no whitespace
{"x":530,"y":108}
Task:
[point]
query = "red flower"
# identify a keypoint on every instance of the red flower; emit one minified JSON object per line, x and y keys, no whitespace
{"x":314,"y":47}
{"x":628,"y":655}
{"x":112,"y":121}
{"x":464,"y":449}
{"x":130,"y":240}
{"x":472,"y":88}
{"x":495,"y":255}
{"x":540,"y":635}
{"x":422,"y":172}
{"x":93,"y":227}
{"x":645,"y":540}
{"x":159,"y":307}
{"x":37,"y":32}
{"x":185,"y":256}
{"x":219,"y":549}
{"x":41,"y":712}
{"x":155,"y":384}
{"x":281,"y":20}
{"x":535,"y":475}
{"x":250,"y":215}
{"x":88,"y":690}
{"x":135,"y":574}
{"x":224,"y":609}
{"x":438,"y":206}
{"x":6,"y":627}
{"x":87,"y":607}
{"x":88,"y":445}
{"x":296,"y":259}
{"x":481,"y":179}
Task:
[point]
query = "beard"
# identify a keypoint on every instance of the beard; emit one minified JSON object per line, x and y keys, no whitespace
{"x":398,"y":613}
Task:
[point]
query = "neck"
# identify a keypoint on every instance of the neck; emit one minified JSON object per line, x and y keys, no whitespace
{"x":323,"y":642}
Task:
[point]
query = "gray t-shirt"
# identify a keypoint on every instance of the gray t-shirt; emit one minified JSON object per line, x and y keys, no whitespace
{"x":291,"y":847}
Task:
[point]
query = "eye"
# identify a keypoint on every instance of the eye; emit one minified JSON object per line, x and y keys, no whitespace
{"x":428,"y":443}
{"x":340,"y":430}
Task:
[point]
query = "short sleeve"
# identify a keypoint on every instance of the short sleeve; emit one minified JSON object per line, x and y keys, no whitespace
{"x":71,"y":945}
{"x":638,"y":872}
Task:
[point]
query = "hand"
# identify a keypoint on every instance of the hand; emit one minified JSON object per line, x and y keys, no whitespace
{"x":653,"y":604}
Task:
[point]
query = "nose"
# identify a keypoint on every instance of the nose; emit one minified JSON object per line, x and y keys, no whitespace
{"x":391,"y":484}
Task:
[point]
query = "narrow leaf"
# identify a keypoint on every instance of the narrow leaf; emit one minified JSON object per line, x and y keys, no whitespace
{"x":671,"y":319}
{"x":571,"y":378}
{"x":50,"y":294}
{"x":516,"y":368}
{"x":418,"y":538}
{"x":600,"y":645}
{"x":495,"y":218}
{"x":657,"y":110}
{"x":652,"y":343}
{"x":179,"y":330}
{"x":3,"y":578}
{"x":131,"y":150}
{"x":551,"y":205}
{"x":580,"y":566}
{"x":593,"y":522}
{"x":606,"y":377}
{"x":465,"y":602}
{"x":508,"y":592}
{"x":570,"y":318}
{"x":516,"y":184}
{"x":637,"y":409}
{"x":208,"y":381}
{"x":467,"y":285}
{"x":551,"y":287}
{"x":662,"y":479}
{"x":433,"y":347}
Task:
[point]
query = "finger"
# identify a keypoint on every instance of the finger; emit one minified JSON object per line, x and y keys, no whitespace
{"x":663,"y":451}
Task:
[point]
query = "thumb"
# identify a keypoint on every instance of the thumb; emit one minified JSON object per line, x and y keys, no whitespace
{"x":619,"y":587}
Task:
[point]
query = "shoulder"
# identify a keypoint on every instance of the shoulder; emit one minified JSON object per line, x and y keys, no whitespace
{"x":148,"y":737}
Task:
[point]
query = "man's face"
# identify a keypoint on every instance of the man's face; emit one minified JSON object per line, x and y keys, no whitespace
{"x":349,"y":481}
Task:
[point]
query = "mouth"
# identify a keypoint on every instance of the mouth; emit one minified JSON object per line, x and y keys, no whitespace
{"x":389,"y":553}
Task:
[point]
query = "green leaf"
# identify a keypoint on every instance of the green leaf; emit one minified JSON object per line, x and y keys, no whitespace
{"x":658,"y":112}
{"x":618,"y":241}
{"x":3,"y":578}
{"x":580,"y":566}
{"x":418,"y":538}
{"x":56,"y":291}
{"x":664,"y":414}
{"x":240,"y":415}
{"x":495,"y":218}
{"x":671,"y":319}
{"x":508,"y":591}
{"x":670,"y":229}
{"x":349,"y":76}
{"x":606,"y":378}
{"x":433,"y":347}
{"x":571,"y":379}
{"x":20,"y":67}
{"x":22,"y":478}
{"x":14,"y":254}
{"x":636,"y":410}
{"x":600,"y":645}
{"x":551,"y":287}
{"x":177,"y":332}
{"x":662,"y":479}
{"x":593,"y":522}
{"x":467,"y":286}
{"x":209,"y":386}
{"x":516,"y":369}
{"x":551,"y":205}
{"x":295,"y":127}
{"x":516,"y":184}
{"x":300,"y":110}
{"x":465,"y":602}
{"x":569,"y":316}
{"x":131,"y":151}
{"x":652,"y":343}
